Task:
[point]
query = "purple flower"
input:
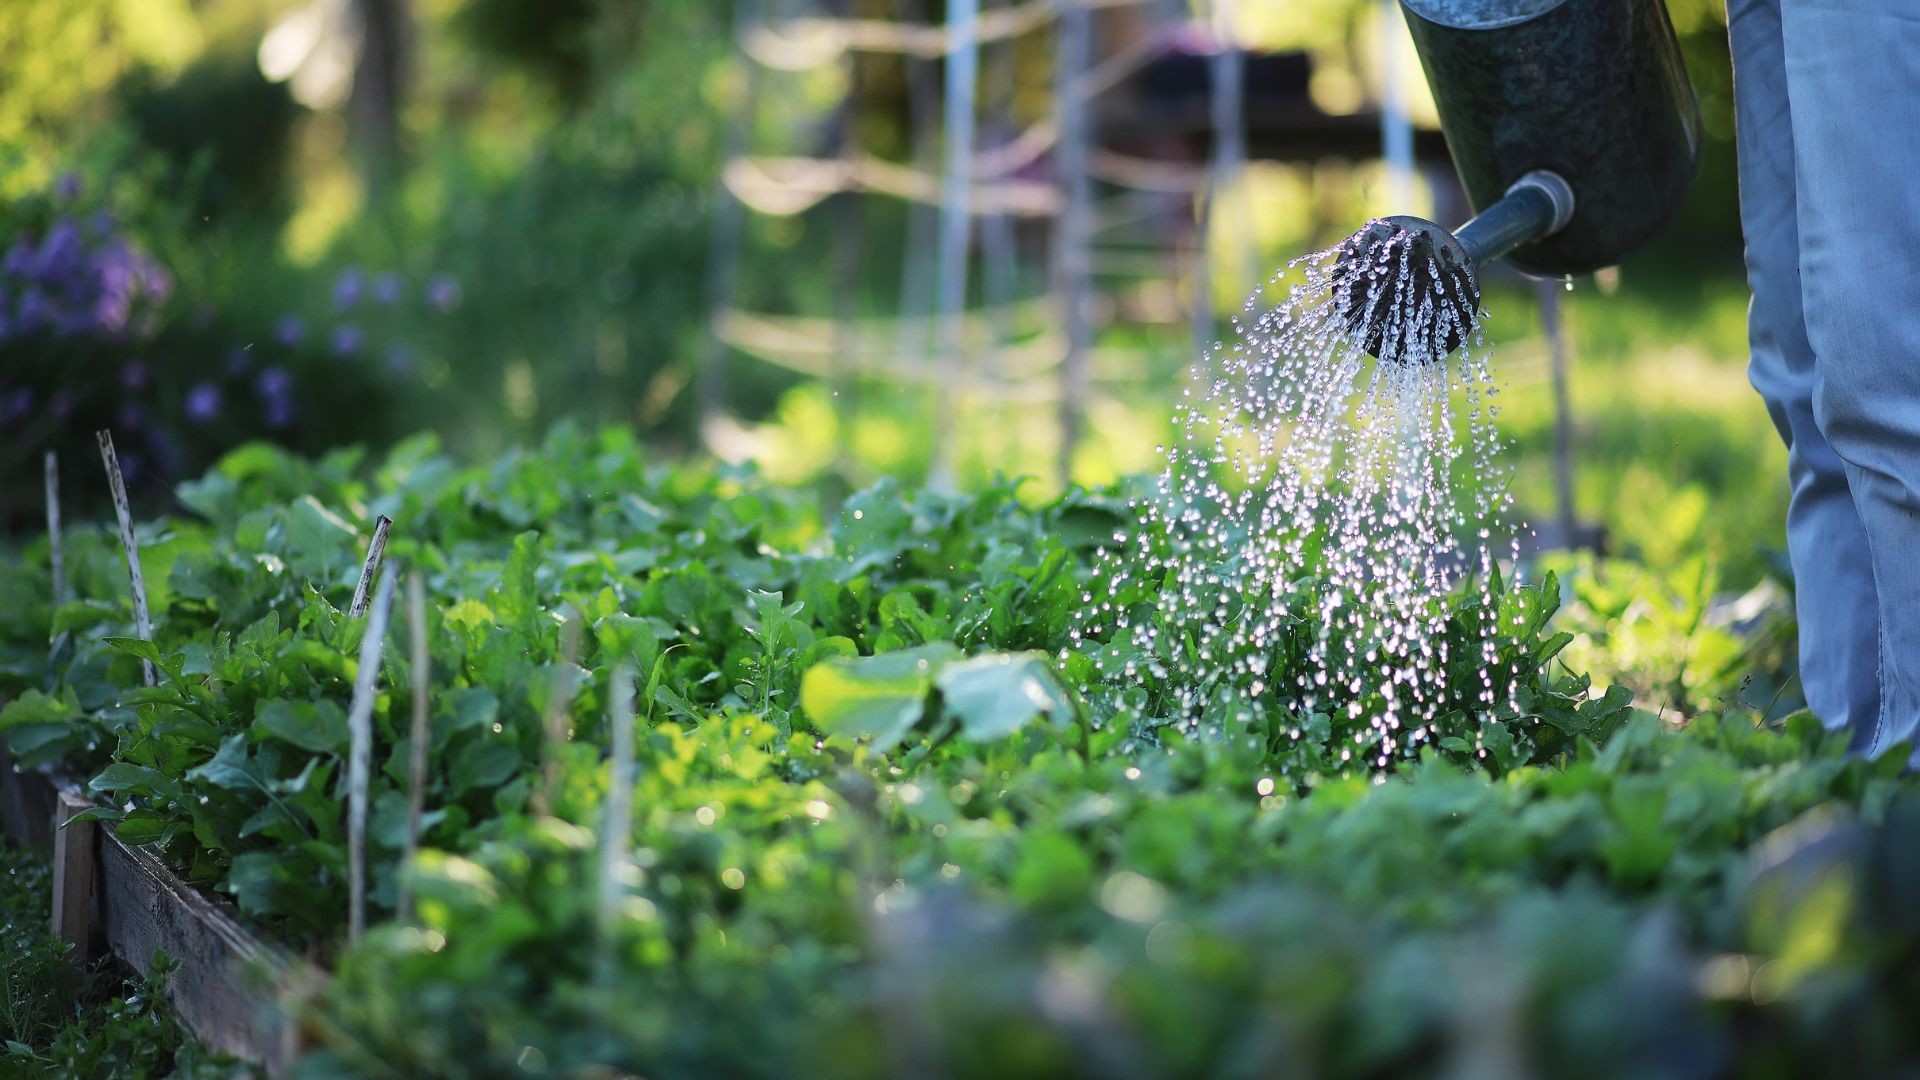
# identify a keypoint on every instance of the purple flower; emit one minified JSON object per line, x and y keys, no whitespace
{"x":60,"y":253}
{"x":67,"y":187}
{"x":347,"y":288}
{"x":73,"y":284}
{"x":131,"y":415}
{"x":274,"y":382}
{"x":35,"y":311}
{"x":19,"y":260}
{"x":443,"y":293}
{"x":400,"y":360}
{"x":277,"y":413}
{"x":155,"y":282}
{"x":238,"y":361}
{"x":289,"y":330}
{"x":203,"y":403}
{"x":102,"y":224}
{"x":386,"y":289}
{"x":133,"y":376}
{"x":346,"y":339}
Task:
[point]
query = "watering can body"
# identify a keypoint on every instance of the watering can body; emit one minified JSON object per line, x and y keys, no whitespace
{"x":1593,"y":91}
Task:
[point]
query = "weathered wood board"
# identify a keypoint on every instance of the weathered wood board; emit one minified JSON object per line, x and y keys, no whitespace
{"x":229,"y":984}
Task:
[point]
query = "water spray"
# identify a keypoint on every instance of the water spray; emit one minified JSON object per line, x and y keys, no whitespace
{"x":1575,"y":133}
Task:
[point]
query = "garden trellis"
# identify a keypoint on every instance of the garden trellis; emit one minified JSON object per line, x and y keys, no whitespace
{"x":975,"y":189}
{"x":1003,"y":349}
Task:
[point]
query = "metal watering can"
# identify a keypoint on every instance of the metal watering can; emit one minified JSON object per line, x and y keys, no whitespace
{"x":1574,"y":130}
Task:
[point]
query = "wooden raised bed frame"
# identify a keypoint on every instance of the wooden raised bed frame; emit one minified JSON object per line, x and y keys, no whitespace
{"x":235,"y":991}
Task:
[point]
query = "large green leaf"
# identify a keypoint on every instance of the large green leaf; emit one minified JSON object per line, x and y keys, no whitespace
{"x":997,"y":694}
{"x":881,"y":697}
{"x":316,"y":726}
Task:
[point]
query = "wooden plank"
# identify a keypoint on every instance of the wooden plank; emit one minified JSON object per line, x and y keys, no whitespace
{"x":73,"y":862}
{"x":230,"y":988}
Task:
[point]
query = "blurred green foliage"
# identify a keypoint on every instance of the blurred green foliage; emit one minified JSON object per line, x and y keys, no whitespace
{"x":62,"y":1020}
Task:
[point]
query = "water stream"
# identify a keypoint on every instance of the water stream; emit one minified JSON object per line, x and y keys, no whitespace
{"x":1316,"y":513}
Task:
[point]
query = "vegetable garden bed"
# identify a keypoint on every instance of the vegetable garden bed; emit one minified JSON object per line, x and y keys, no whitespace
{"x":713,"y":784}
{"x":224,"y":983}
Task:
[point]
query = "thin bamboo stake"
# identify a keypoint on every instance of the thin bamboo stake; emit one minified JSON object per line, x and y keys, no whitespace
{"x":1396,"y":126}
{"x":376,"y":552}
{"x":847,"y":242}
{"x":56,"y":561}
{"x":1228,"y":68}
{"x":142,"y":624}
{"x":1072,"y":263}
{"x":1551,"y":327}
{"x":1000,"y":254}
{"x":417,"y":736}
{"x":916,"y":270}
{"x":956,"y":228}
{"x":616,"y":824}
{"x":360,"y":755}
{"x":559,"y":714}
{"x":723,"y":258}
{"x":1200,"y":289}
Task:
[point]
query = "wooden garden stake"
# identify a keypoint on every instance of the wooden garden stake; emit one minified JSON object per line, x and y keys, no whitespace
{"x":55,"y":562}
{"x":73,"y":874}
{"x":376,"y":551}
{"x":141,"y":625}
{"x":956,"y":226}
{"x":360,"y":756}
{"x":1072,"y":242}
{"x":559,"y":713}
{"x":616,"y":826}
{"x":417,"y":738}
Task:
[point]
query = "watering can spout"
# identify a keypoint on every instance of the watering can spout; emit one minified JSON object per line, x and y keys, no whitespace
{"x":1393,"y":263}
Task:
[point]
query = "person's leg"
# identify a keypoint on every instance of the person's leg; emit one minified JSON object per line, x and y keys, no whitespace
{"x":1853,"y":78}
{"x":1834,"y":587}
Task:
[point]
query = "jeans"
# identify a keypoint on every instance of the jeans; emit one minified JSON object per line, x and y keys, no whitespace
{"x":1827,"y":100}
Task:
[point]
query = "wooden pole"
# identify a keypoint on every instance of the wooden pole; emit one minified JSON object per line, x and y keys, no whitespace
{"x":142,"y":624}
{"x":56,"y":560}
{"x":916,"y":286}
{"x":956,"y":221}
{"x":418,"y":734}
{"x":376,"y":551}
{"x":847,"y":238}
{"x":1551,"y":326}
{"x":729,"y":222}
{"x":360,"y":755}
{"x":616,"y":823}
{"x":73,"y":875}
{"x":1228,"y":69}
{"x":1073,"y":234}
{"x":999,"y":248}
{"x":1396,"y":125}
{"x":559,"y":713}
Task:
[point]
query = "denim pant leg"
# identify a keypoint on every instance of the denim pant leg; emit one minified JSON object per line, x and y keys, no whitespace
{"x":1833,"y":575}
{"x":1853,"y":78}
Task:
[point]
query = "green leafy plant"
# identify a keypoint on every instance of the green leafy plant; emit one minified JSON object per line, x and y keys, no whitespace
{"x":885,"y":803}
